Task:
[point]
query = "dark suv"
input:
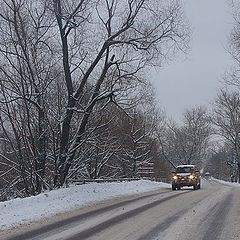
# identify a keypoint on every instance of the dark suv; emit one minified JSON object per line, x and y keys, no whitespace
{"x":186,"y":175}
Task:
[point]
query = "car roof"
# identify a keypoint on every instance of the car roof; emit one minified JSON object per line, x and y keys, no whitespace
{"x":187,"y":165}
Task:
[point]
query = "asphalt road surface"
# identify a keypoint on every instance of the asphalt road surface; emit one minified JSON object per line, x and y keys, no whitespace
{"x":211,"y":213}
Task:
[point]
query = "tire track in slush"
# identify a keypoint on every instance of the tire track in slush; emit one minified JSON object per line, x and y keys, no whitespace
{"x":218,"y":219}
{"x":207,"y":222}
{"x":154,"y":232}
{"x":117,"y":219}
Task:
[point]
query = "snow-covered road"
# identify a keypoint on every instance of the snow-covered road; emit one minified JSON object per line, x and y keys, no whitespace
{"x":159,"y":214}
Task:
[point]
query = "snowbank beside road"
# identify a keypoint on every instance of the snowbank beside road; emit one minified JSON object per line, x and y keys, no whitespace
{"x":231,"y":184}
{"x":18,"y":211}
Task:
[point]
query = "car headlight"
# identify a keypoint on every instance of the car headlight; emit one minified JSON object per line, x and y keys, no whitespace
{"x":191,"y":176}
{"x":175,"y":177}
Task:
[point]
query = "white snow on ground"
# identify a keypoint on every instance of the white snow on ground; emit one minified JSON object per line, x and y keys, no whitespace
{"x":231,"y":184}
{"x":18,"y":211}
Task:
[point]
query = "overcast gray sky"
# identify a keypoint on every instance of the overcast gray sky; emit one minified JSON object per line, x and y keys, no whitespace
{"x":194,"y":81}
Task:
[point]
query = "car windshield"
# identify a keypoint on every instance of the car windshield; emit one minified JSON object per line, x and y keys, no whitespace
{"x":184,"y":169}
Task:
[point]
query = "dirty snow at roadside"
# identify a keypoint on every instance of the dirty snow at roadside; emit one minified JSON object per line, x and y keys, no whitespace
{"x":18,"y":211}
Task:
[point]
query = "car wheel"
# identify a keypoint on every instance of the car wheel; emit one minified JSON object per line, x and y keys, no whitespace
{"x":178,"y":188}
{"x":173,"y":188}
{"x":194,"y":187}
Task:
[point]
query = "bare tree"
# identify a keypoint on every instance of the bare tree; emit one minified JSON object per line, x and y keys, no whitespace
{"x":64,"y":62}
{"x":97,"y":155}
{"x":128,"y":35}
{"x":25,"y":66}
{"x":120,"y":142}
{"x":226,"y":117}
{"x":226,"y":105}
{"x":232,"y":76}
{"x":197,"y":132}
{"x":186,"y":144}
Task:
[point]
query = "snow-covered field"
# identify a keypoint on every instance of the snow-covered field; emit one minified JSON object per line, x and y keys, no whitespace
{"x":19,"y":211}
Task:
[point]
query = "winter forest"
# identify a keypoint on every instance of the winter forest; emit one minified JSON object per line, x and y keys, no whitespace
{"x":77,"y":101}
